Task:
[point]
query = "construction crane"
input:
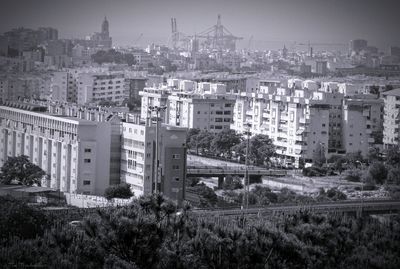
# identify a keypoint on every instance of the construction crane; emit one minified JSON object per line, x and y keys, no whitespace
{"x":179,"y":39}
{"x":218,"y":37}
{"x":138,"y":39}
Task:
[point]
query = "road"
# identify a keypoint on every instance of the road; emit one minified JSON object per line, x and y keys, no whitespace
{"x":366,"y":206}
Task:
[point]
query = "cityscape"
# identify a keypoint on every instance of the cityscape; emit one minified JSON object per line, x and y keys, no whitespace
{"x":189,"y":134}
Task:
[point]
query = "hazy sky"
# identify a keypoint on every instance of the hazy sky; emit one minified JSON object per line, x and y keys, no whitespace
{"x":268,"y":21}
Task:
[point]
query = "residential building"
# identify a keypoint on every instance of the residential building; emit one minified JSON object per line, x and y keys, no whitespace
{"x":79,"y":155}
{"x":362,"y":125}
{"x":138,"y":158}
{"x":210,"y":108}
{"x":152,"y":97}
{"x":391,"y":118}
{"x":93,"y":88}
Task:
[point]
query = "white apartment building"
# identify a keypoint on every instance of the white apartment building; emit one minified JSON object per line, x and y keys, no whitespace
{"x":93,"y":88}
{"x":212,"y":112}
{"x":188,"y":104}
{"x":138,"y":158}
{"x":299,"y":120}
{"x":362,"y":123}
{"x":80,"y":156}
{"x":152,"y":97}
{"x":391,"y":119}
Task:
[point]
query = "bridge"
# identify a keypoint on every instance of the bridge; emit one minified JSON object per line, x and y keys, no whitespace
{"x":254,"y":172}
{"x":347,"y":206}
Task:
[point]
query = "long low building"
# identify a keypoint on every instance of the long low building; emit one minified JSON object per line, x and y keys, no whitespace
{"x":80,"y":156}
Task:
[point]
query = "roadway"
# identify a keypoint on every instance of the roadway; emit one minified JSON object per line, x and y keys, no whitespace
{"x":213,"y":171}
{"x":350,"y":206}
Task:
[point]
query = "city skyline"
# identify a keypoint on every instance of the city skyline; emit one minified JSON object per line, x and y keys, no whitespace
{"x":271,"y":23}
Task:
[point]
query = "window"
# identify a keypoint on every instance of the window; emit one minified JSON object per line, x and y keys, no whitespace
{"x":87,"y":160}
{"x":176,"y":156}
{"x":176,"y":179}
{"x":175,"y":167}
{"x":86,"y":182}
{"x":88,"y":150}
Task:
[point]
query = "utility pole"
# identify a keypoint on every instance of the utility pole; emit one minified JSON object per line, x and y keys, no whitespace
{"x":157,"y":109}
{"x":246,"y":178}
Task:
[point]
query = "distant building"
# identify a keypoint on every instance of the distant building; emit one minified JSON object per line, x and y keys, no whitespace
{"x":134,"y":86}
{"x":357,"y":45}
{"x":100,"y":40}
{"x":93,"y":88}
{"x":395,"y":51}
{"x":321,"y":67}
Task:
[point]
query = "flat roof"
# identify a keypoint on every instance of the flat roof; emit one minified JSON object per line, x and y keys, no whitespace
{"x":395,"y":92}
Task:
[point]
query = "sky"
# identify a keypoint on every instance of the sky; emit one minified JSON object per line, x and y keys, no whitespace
{"x":269,"y":22}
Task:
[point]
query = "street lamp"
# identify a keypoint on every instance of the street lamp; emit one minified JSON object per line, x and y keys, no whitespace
{"x":157,"y":109}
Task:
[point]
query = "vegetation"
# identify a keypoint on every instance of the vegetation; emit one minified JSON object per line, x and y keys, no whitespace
{"x":226,"y":142}
{"x":21,"y":170}
{"x":232,"y":183}
{"x":261,"y":149}
{"x":122,"y":190}
{"x":113,"y":56}
{"x":148,"y":234}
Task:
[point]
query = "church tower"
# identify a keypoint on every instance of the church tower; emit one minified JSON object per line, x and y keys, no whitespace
{"x":104,"y":29}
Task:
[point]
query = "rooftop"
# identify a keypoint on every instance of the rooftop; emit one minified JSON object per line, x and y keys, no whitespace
{"x":395,"y":92}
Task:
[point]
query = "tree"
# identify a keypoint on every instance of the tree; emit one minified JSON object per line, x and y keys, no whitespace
{"x":393,"y":175}
{"x":393,"y":156}
{"x":232,"y":183}
{"x":319,"y":155}
{"x":223,"y":142}
{"x":261,"y":149}
{"x":20,"y":220}
{"x":354,"y":158}
{"x":122,"y":190}
{"x":199,"y":140}
{"x":373,"y":154}
{"x":21,"y":170}
{"x":378,"y":172}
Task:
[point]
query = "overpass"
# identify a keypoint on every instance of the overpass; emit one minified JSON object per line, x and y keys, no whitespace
{"x":223,"y":171}
{"x":347,"y":206}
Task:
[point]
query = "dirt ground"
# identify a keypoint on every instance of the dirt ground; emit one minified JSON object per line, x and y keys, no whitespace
{"x":295,"y":181}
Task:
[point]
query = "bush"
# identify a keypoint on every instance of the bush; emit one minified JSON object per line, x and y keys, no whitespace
{"x":393,"y":176}
{"x":334,"y":194}
{"x":353,"y":175}
{"x":378,"y":172}
{"x":122,"y":190}
{"x":20,"y":220}
{"x":314,"y":171}
{"x":232,"y":183}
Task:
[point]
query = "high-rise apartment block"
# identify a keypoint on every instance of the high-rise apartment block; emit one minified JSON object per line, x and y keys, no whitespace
{"x":302,"y":119}
{"x":138,"y":158}
{"x":94,"y":88}
{"x":79,"y":155}
{"x":391,"y":134}
{"x":203,"y":105}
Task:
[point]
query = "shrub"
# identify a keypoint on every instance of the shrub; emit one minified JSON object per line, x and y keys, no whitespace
{"x":353,"y":175}
{"x":232,"y":183}
{"x":378,"y":172}
{"x":314,"y":171}
{"x":122,"y":190}
{"x":393,"y":176}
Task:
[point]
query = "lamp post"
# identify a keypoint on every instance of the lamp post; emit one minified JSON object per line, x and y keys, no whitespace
{"x":156,"y":109}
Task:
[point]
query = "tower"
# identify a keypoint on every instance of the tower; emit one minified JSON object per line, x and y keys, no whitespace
{"x":104,"y":28}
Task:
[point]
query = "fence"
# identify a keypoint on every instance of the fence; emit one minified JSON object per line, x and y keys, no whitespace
{"x":89,"y":201}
